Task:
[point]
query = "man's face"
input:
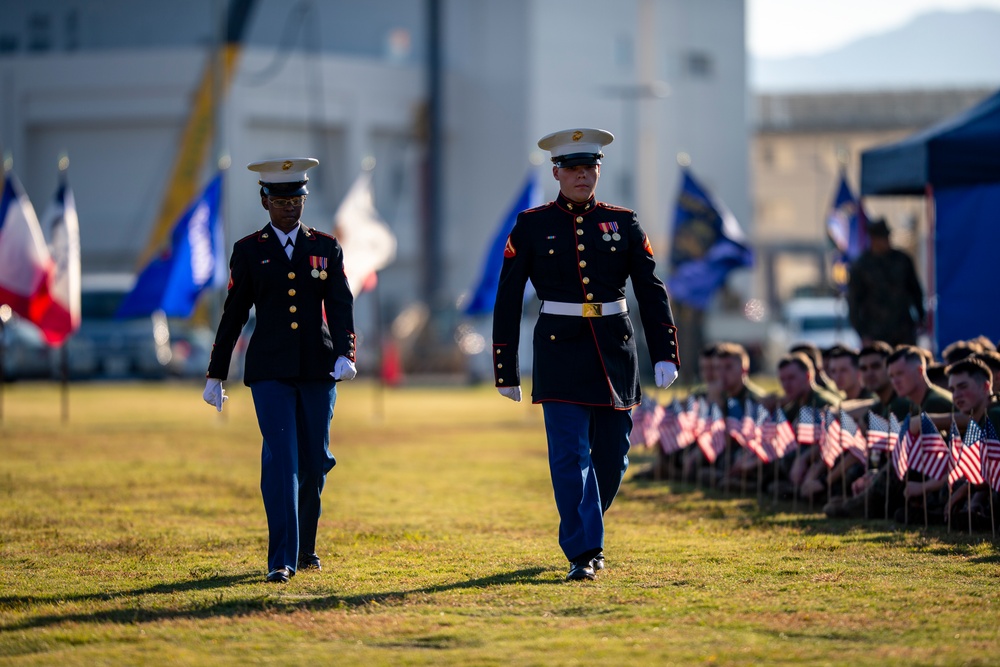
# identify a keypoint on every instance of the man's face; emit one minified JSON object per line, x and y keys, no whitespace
{"x":968,"y":393}
{"x":706,"y":368}
{"x":729,"y":374}
{"x":577,"y":183}
{"x":905,"y":376}
{"x":285,"y":211}
{"x":844,"y":374}
{"x":794,"y":382}
{"x":874,"y":376}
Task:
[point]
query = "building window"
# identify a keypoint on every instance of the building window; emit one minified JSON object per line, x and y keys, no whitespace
{"x":698,"y":65}
{"x":39,"y":32}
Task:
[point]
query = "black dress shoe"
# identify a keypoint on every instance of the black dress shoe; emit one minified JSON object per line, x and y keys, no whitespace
{"x":598,"y":562}
{"x":279,"y":576}
{"x":581,"y":570}
{"x":309,"y":562}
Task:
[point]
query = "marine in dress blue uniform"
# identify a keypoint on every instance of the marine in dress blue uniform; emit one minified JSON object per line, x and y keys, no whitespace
{"x":579,"y":253}
{"x":302,"y":344}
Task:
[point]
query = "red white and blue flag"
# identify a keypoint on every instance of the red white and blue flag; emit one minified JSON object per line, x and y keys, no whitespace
{"x":966,"y":458}
{"x":991,"y":456}
{"x":64,"y":247}
{"x":25,"y":263}
{"x":808,"y":426}
{"x":901,"y":450}
{"x":930,"y":454}
{"x":712,"y":440}
{"x":878,"y":433}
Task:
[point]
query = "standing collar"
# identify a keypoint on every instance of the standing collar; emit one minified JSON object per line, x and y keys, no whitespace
{"x":575,"y":207}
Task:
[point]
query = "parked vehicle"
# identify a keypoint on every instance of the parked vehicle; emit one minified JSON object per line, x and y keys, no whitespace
{"x":25,"y":353}
{"x":821,"y":320}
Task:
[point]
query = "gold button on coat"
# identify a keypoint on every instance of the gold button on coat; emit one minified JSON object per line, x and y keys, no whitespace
{"x":295,"y":325}
{"x":590,"y":297}
{"x":552,"y":337}
{"x":579,"y":218}
{"x":583,"y":263}
{"x":551,"y":251}
{"x":291,"y":275}
{"x":580,"y":247}
{"x":292,"y":309}
{"x":579,"y":232}
{"x":586,"y":280}
{"x":291,"y":292}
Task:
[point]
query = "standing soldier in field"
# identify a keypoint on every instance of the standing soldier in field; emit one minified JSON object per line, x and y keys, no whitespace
{"x":302,"y":345}
{"x":884,"y":296}
{"x":578,"y":254}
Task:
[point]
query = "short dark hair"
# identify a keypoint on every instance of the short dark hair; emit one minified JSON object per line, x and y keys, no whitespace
{"x":879,"y":347}
{"x":733,"y":351}
{"x":960,"y":349}
{"x":991,"y":358}
{"x":973,"y":366}
{"x":811,"y":350}
{"x":910,"y":353}
{"x":797,"y":359}
{"x":843,"y":352}
{"x":710,"y":350}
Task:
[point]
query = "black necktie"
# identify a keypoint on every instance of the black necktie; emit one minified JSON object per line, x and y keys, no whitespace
{"x":289,"y":244}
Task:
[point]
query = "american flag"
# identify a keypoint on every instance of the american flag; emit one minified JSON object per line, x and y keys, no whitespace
{"x":966,"y":459}
{"x":930,"y":453}
{"x":901,"y":449}
{"x":646,"y":422}
{"x":894,"y":427}
{"x":991,"y":455}
{"x":784,"y":436}
{"x":754,"y":435}
{"x":670,"y":428}
{"x":831,"y":446}
{"x":878,"y":433}
{"x":808,"y":428}
{"x":687,"y":420}
{"x":846,"y":432}
{"x":712,"y":440}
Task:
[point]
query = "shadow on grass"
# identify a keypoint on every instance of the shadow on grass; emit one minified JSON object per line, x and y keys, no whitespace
{"x":750,"y":510}
{"x":222,"y":606}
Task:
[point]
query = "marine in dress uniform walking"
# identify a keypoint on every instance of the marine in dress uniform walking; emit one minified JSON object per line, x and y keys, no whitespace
{"x":579,"y":253}
{"x":293,"y":275}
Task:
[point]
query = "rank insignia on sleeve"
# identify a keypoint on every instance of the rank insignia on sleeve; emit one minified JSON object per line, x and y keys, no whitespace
{"x":647,"y":246}
{"x":508,"y":250}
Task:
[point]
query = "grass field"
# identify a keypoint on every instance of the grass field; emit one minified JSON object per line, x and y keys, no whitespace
{"x":135,"y":534}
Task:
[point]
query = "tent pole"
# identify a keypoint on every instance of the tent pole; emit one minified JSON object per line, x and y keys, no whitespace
{"x":931,"y":315}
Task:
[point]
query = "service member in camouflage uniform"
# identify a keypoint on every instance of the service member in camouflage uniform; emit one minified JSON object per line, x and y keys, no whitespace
{"x":884,"y":294}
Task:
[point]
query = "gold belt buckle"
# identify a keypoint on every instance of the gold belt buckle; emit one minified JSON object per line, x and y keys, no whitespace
{"x":592,"y":309}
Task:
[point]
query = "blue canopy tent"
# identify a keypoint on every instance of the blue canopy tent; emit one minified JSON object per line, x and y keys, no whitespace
{"x":956,"y":163}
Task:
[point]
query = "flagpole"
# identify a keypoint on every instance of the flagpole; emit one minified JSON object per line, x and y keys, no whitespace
{"x":64,"y":381}
{"x":3,"y":350}
{"x":379,"y":396}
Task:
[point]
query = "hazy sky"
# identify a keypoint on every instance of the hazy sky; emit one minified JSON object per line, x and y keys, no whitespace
{"x":779,"y":28}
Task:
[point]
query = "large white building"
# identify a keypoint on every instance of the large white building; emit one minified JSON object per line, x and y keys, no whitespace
{"x":111,"y":84}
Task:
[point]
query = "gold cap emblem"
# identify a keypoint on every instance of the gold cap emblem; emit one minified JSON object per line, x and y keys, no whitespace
{"x":577,"y":135}
{"x":286,"y":165}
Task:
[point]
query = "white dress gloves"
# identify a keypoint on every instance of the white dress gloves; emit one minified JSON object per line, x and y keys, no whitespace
{"x":214,"y":394}
{"x":344,"y":369}
{"x":513,"y":393}
{"x":666,"y":373}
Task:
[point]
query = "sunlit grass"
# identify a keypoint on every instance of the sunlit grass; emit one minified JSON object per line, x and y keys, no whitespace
{"x":135,"y":533}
